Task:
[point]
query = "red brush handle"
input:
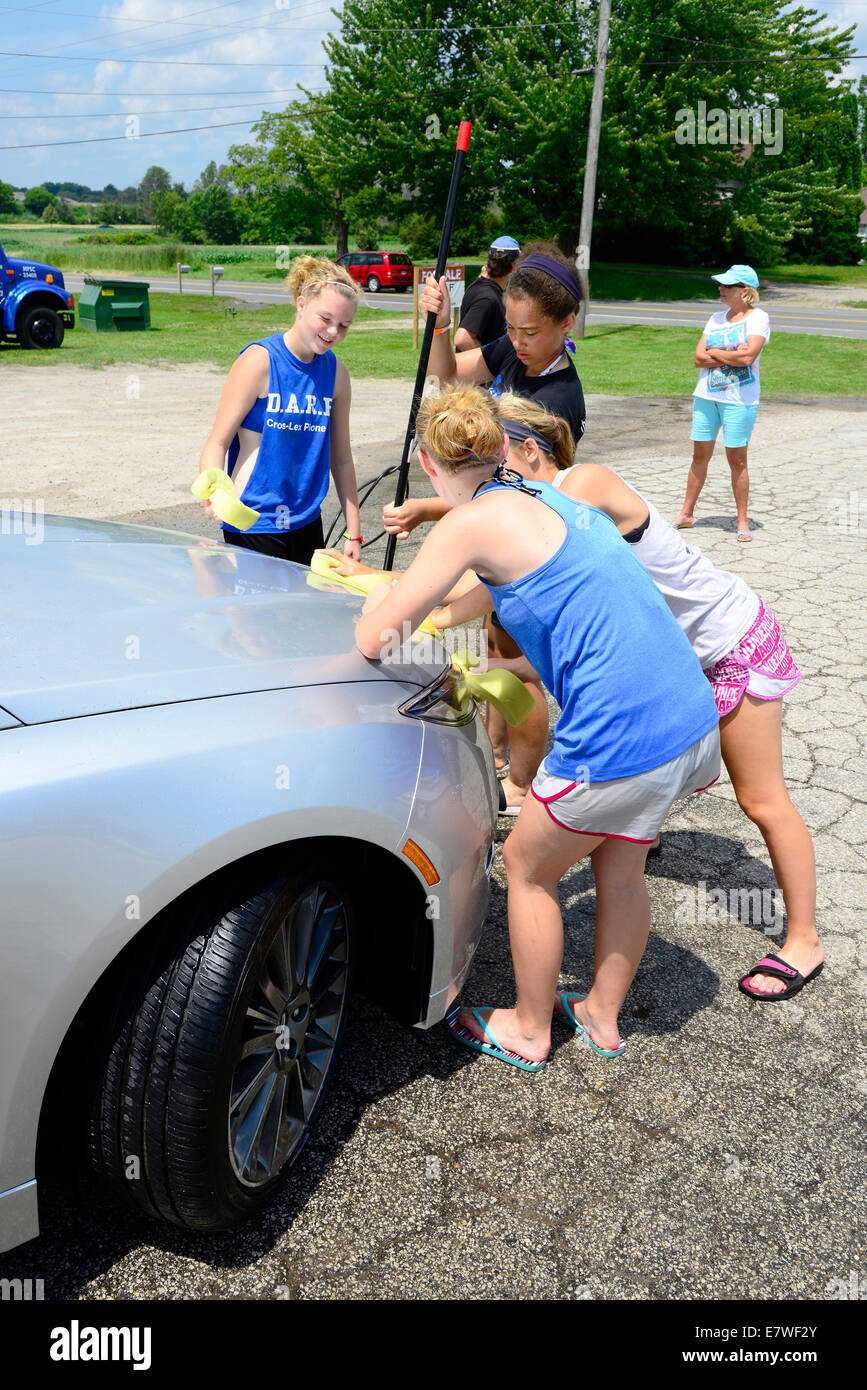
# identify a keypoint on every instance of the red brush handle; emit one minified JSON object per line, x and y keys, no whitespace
{"x":465,"y":130}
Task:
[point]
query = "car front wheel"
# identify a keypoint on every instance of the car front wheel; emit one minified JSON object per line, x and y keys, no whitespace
{"x":220,"y":1061}
{"x":40,"y":327}
{"x":373,"y":284}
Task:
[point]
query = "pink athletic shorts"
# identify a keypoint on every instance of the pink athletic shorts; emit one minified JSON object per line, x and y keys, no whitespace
{"x":760,"y":665}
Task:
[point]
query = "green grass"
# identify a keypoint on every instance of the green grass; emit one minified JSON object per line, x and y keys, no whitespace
{"x":855,"y":275}
{"x":621,"y":360}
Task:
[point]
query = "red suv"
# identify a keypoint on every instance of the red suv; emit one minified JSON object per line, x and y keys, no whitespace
{"x":379,"y":270}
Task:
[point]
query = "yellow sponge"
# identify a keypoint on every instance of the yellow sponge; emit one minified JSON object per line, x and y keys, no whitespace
{"x":217,"y":487}
{"x":503,"y":689}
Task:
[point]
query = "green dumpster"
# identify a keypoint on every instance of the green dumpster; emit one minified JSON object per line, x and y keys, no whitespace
{"x":114,"y":306}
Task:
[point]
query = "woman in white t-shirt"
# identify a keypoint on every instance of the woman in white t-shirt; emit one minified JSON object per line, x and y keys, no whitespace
{"x":727,"y":393}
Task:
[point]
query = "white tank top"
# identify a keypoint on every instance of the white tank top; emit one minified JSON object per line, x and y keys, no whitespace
{"x":714,"y":608}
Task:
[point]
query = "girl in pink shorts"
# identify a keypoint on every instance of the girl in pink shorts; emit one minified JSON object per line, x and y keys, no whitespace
{"x":742,"y":651}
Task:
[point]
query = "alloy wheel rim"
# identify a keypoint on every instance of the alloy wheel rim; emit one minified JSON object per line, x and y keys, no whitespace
{"x":290,"y":1031}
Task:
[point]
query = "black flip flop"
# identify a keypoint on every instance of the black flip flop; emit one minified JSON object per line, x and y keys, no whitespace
{"x":780,"y":969}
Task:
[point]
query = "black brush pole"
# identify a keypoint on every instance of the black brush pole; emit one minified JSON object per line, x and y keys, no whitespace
{"x":424,"y":357}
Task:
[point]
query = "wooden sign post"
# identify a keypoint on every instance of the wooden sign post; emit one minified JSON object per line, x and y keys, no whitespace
{"x":456,"y":281}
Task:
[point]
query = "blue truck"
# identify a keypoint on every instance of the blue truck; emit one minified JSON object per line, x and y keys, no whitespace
{"x":35,"y":306}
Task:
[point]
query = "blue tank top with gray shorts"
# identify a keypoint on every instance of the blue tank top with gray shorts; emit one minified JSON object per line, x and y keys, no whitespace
{"x":600,"y":634}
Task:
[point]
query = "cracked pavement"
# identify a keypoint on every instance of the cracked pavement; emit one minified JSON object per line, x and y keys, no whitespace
{"x":721,"y":1156}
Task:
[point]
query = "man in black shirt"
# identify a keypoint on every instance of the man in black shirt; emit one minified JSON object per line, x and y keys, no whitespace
{"x":483,"y":318}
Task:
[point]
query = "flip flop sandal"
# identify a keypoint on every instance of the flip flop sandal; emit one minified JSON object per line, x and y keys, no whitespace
{"x":503,"y":809}
{"x":502,"y":771}
{"x":492,"y":1047}
{"x":780,"y":969}
{"x":569,"y":1018}
{"x":745,"y":536}
{"x":683,"y":525}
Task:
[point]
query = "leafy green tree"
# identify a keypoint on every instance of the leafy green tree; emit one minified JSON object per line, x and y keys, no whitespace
{"x":174,"y":216}
{"x":50,"y":213}
{"x":7,"y":198}
{"x":156,"y":180}
{"x":213,"y":210}
{"x":36,"y":200}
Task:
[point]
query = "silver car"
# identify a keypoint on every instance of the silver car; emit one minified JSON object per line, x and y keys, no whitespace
{"x":216,"y":817}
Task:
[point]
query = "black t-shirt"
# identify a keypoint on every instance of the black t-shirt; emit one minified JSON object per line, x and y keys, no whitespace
{"x":482,"y":311}
{"x":560,"y":391}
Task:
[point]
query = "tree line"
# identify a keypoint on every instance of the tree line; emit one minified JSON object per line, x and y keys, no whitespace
{"x":727,"y":130}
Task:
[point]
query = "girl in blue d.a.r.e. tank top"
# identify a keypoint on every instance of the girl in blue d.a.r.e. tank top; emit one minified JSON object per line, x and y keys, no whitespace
{"x":638,"y":727}
{"x":282,"y":425}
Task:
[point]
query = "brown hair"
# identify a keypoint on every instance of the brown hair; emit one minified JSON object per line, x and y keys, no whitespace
{"x":552,"y":427}
{"x":309,"y":276}
{"x":460,"y":428}
{"x":531,"y":283}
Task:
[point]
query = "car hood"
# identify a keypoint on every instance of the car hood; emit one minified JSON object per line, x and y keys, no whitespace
{"x":101,"y":616}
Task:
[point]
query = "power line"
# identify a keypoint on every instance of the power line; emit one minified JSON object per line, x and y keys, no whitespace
{"x":104,"y":139}
{"x":156,"y":62}
{"x":120,"y":115}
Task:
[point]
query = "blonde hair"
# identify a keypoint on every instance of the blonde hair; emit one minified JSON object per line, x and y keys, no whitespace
{"x":552,"y":427}
{"x":309,"y":276}
{"x":750,"y":295}
{"x":460,"y":428}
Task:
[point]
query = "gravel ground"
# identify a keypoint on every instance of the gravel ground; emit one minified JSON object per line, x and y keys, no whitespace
{"x":720,"y":1157}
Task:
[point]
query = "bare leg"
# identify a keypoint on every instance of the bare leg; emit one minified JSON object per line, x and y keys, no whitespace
{"x":527,"y":740}
{"x":740,"y":484}
{"x":752,"y":749}
{"x":498,"y":733}
{"x":702,"y":449}
{"x":536,"y":855}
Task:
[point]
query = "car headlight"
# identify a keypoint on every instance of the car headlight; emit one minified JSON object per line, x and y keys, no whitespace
{"x":445,"y":701}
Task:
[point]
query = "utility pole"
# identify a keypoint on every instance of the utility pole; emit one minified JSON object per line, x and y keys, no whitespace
{"x":588,"y":200}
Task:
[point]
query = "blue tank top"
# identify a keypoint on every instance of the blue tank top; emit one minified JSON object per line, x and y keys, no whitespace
{"x":601,"y":636}
{"x":289,"y":478}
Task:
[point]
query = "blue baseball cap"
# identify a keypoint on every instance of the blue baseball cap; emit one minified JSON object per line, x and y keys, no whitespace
{"x":738,"y":275}
{"x":505,"y":243}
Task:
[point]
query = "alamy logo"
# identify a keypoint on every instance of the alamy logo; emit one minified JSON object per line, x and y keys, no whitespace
{"x":734,"y":127}
{"x":77,"y":1343}
{"x":22,"y":1290}
{"x":698,"y":907}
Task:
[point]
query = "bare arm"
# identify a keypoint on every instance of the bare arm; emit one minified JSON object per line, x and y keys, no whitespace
{"x":342,"y":466}
{"x":401,"y":520}
{"x":470,"y":364}
{"x":601,"y":488}
{"x":465,"y":340}
{"x":741,"y":356}
{"x":447,"y":552}
{"x":247,"y":380}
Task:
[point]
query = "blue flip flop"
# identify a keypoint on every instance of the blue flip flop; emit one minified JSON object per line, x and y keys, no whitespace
{"x":491,"y":1048}
{"x":579,"y":1028}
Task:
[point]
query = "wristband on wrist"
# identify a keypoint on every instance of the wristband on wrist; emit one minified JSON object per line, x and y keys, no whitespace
{"x":347,"y":537}
{"x":437,"y":331}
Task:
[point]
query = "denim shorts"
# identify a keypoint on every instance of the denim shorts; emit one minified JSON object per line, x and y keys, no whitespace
{"x":737,"y":421}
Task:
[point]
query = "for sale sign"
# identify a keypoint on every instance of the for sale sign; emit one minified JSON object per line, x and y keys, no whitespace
{"x":455,"y":279}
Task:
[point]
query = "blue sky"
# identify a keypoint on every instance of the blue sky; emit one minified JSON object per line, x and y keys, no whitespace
{"x":198,"y":65}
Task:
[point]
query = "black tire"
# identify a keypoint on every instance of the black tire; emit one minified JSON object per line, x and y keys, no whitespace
{"x":373,"y":284}
{"x":199,"y":1112}
{"x":39,"y":327}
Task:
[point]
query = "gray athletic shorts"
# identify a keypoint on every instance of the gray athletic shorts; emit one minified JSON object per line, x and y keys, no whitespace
{"x":629,"y":808}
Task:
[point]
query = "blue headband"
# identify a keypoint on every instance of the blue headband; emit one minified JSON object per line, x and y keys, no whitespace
{"x":516,"y":429}
{"x":558,"y":272}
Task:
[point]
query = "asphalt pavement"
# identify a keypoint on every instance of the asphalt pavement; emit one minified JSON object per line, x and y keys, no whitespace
{"x":721,"y":1156}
